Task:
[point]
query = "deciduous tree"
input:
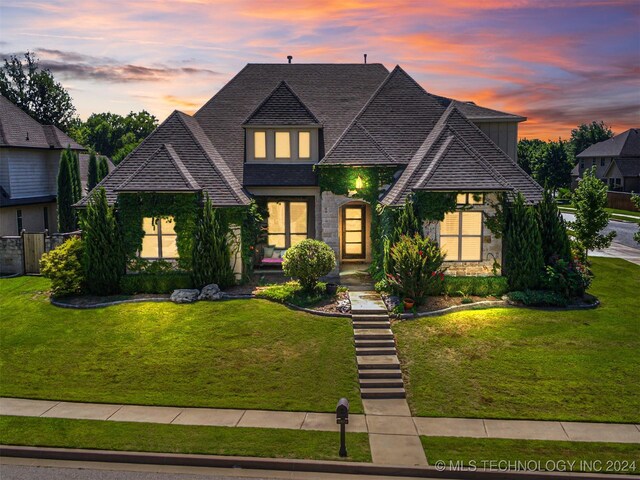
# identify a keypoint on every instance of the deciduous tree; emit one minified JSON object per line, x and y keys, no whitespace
{"x":587,"y":134}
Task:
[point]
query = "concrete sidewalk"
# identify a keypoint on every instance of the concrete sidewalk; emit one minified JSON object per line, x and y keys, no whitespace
{"x":370,"y":423}
{"x":618,"y":250}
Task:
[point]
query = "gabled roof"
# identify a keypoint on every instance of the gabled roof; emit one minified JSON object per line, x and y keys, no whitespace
{"x":628,"y":166}
{"x":282,"y":107}
{"x":396,"y":118}
{"x":19,"y":129}
{"x":358,"y":147}
{"x":163,"y":167}
{"x":626,"y":144}
{"x":335,"y":93}
{"x":457,"y":156}
{"x":180,"y":145}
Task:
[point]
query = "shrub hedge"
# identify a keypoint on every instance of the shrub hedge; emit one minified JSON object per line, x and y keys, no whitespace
{"x":154,"y":282}
{"x":479,"y":286}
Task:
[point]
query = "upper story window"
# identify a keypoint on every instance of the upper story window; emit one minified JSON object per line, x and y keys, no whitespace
{"x":581,"y":164}
{"x":602,"y":162}
{"x":283,"y":145}
{"x":260,"y":144}
{"x":159,"y":239}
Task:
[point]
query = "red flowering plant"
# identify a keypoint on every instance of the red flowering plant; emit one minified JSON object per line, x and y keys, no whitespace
{"x":417,"y":268}
{"x":569,"y":278}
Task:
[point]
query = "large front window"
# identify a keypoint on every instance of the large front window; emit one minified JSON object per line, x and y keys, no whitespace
{"x":461,"y":236}
{"x":159,"y":239}
{"x":287,"y":223}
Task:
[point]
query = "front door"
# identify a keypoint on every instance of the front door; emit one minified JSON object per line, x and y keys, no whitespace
{"x":353,"y":232}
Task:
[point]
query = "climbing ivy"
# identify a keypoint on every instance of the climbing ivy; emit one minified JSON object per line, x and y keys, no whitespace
{"x":183,"y":207}
{"x":250,"y":220}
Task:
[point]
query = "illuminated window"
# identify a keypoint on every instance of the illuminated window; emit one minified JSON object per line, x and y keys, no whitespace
{"x":260,"y":144}
{"x":283,"y":145}
{"x":287,"y":224}
{"x":159,"y":239}
{"x":304,"y":144}
{"x":470,"y":199}
{"x":461,"y":236}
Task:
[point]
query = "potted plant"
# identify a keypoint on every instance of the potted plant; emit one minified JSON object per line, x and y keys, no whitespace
{"x":332,"y":288}
{"x":408,"y":303}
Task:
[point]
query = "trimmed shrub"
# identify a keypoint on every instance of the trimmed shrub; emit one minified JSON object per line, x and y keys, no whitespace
{"x":104,"y":261}
{"x":568,"y":278}
{"x":553,"y":230}
{"x":524,"y":262}
{"x":417,"y":267}
{"x":211,"y":256}
{"x":479,"y":286}
{"x":539,"y":298}
{"x":63,"y":266}
{"x":292,"y":292}
{"x":155,"y":282}
{"x":307,"y":261}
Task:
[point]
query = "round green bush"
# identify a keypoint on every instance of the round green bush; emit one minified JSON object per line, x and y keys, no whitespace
{"x":308,"y":261}
{"x":63,"y":266}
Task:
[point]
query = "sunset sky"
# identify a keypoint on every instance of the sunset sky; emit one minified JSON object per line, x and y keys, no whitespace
{"x":559,"y":63}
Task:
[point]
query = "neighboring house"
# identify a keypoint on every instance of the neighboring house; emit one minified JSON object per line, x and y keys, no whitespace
{"x":275,"y":130}
{"x":617,"y":161}
{"x":29,"y":158}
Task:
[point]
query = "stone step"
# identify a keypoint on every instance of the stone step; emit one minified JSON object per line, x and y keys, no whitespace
{"x":381,"y":383}
{"x":370,"y":318}
{"x":389,"y":343}
{"x":376,"y":350}
{"x":380,"y":373}
{"x":369,"y":311}
{"x":373,"y":334}
{"x":367,"y":325}
{"x":382,"y":393}
{"x":377,"y":361}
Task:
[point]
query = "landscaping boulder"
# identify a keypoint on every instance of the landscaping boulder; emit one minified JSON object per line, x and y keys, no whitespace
{"x":185,"y":295}
{"x":391,"y":301}
{"x":211,"y":292}
{"x":344,"y":305}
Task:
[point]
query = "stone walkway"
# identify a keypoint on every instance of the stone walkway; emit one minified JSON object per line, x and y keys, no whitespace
{"x":375,"y":422}
{"x":393,"y":436}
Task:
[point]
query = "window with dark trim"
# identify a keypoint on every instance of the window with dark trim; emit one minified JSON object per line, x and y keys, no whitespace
{"x":45,"y":213}
{"x":159,"y":239}
{"x":461,"y":236}
{"x":602,"y":162}
{"x":288,"y":222}
{"x":19,"y":220}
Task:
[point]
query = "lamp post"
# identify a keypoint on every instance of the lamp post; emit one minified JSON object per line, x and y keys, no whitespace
{"x":342,"y":418}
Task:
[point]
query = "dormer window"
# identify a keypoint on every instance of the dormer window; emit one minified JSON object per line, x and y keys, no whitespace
{"x":304,"y":144}
{"x":283,"y":145}
{"x":260,"y":144}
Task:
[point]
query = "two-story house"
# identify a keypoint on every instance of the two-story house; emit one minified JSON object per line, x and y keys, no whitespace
{"x":29,"y":158}
{"x":274,"y":131}
{"x":617,"y":161}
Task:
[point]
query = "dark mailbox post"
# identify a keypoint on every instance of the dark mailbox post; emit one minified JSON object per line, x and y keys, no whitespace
{"x":342,"y":418}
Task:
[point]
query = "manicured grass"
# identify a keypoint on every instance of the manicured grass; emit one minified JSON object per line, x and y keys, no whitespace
{"x":534,"y":454}
{"x":153,"y":437}
{"x":616,"y":213}
{"x":251,"y":354}
{"x":531,"y":364}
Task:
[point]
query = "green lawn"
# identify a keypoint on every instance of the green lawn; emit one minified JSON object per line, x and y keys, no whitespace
{"x":612,"y":457}
{"x":616,"y":213}
{"x":153,"y":437}
{"x":531,"y":364}
{"x":251,"y":354}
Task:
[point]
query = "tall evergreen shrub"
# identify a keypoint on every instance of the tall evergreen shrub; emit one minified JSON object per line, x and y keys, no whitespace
{"x":211,"y":256}
{"x":66,"y":212}
{"x":524,"y":261}
{"x":103,"y":168}
{"x":92,"y":174}
{"x":555,"y":240}
{"x":103,"y":254}
{"x":74,"y":166}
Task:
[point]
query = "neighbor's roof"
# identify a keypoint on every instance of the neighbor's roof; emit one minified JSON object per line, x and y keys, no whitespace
{"x":628,"y":166}
{"x":282,"y":107}
{"x":334,"y":93}
{"x":19,"y":129}
{"x":177,"y":156}
{"x":627,"y":144}
{"x":457,"y":156}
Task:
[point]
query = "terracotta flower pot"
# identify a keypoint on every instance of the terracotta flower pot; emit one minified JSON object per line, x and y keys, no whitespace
{"x":408,"y":303}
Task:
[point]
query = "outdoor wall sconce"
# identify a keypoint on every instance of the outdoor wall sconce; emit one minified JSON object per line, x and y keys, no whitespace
{"x":342,"y":418}
{"x":359,"y":183}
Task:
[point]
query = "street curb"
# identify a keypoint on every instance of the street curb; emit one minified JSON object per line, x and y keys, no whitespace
{"x":290,"y":465}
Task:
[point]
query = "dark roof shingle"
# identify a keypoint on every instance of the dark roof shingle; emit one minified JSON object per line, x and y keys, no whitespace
{"x":282,"y":107}
{"x":626,"y":144}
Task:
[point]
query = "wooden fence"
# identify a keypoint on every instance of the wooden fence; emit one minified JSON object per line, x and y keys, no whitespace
{"x":621,"y":201}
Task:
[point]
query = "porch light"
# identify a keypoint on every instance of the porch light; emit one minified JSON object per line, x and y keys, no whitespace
{"x":359,"y":183}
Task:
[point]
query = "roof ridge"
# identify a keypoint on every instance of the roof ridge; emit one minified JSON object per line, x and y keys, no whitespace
{"x":224,"y":87}
{"x":375,"y":142}
{"x":224,"y":170}
{"x":436,"y":160}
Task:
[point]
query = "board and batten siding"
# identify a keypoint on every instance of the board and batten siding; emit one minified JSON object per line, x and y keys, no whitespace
{"x":503,"y":134}
{"x":29,"y":172}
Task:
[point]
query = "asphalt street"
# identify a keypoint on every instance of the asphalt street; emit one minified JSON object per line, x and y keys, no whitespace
{"x":625,"y":230}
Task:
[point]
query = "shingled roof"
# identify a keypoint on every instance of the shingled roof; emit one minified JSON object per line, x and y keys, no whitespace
{"x":19,"y":129}
{"x":177,"y":156}
{"x":282,"y":107}
{"x":457,"y":156}
{"x":626,"y":144}
{"x":478,"y":113}
{"x":335,"y":93}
